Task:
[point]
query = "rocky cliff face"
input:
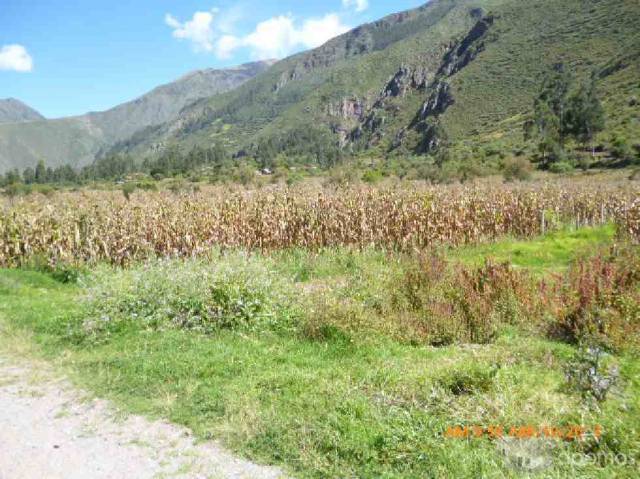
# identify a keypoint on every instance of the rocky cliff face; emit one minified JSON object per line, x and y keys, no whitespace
{"x":347,"y":108}
{"x":412,"y":78}
{"x":405,"y":79}
{"x":462,"y":53}
{"x":458,"y":55}
{"x":439,"y":100}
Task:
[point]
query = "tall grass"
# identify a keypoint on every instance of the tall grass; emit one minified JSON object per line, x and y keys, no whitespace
{"x":424,"y":301}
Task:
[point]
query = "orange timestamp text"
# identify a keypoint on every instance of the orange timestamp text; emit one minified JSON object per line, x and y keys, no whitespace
{"x":528,"y":431}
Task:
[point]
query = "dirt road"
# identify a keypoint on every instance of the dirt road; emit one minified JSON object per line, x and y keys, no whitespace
{"x":50,"y":430}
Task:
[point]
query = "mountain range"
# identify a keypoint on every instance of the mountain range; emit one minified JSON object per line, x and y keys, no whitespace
{"x":464,"y":72}
{"x":77,"y":140}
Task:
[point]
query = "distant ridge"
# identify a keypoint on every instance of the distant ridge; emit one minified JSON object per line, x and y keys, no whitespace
{"x":77,"y":140}
{"x":14,"y":111}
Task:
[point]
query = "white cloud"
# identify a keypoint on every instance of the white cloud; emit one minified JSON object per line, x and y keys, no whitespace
{"x":359,"y":5}
{"x":225,"y":46}
{"x":15,"y":57}
{"x":198,"y":30}
{"x":273,"y":38}
{"x":279,"y":36}
{"x":315,"y":32}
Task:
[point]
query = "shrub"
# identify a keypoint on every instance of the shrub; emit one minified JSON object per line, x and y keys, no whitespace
{"x":372,"y":177}
{"x":342,"y":176}
{"x":147,"y":185}
{"x":128,"y":189}
{"x":471,"y":380}
{"x":599,"y":299}
{"x":294,"y":178}
{"x":14,"y":189}
{"x":459,"y":304}
{"x":591,"y":374}
{"x":483,"y":299}
{"x":233,"y":293}
{"x":245,"y":175}
{"x":46,"y":190}
{"x":561,"y":167}
{"x":620,"y":148}
{"x":328,"y":321}
{"x":60,"y":271}
{"x":517,"y":169}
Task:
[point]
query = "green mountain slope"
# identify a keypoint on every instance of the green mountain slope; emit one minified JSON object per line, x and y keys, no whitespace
{"x":461,"y":70}
{"x":77,"y":140}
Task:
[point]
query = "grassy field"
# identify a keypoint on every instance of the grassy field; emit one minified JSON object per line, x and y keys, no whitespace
{"x":320,"y":362}
{"x":553,"y":252}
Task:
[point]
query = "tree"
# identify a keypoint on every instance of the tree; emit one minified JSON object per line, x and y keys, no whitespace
{"x":265,"y":153}
{"x":41,"y":172}
{"x":29,"y":175}
{"x":585,"y":115}
{"x":547,"y":128}
{"x":11,"y":177}
{"x":554,"y":96}
{"x":560,"y":111}
{"x":65,"y":174}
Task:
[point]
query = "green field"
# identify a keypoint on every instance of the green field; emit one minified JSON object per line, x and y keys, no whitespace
{"x":310,"y":362}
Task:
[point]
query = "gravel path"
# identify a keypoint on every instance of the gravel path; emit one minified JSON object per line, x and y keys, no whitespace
{"x":50,"y":430}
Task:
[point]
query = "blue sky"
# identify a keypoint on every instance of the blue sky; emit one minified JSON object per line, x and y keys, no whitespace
{"x":67,"y":57}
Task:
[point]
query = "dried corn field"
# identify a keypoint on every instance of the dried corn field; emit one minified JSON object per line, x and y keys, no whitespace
{"x":104,"y":226}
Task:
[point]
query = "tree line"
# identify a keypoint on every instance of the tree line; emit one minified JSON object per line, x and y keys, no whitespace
{"x":305,"y":145}
{"x":171,"y":162}
{"x":563,"y":110}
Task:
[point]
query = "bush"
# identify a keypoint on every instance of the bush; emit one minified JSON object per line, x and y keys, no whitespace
{"x":46,"y":190}
{"x":245,"y":175}
{"x":342,"y":176}
{"x":179,"y":186}
{"x":620,"y":148}
{"x":557,"y":154}
{"x":62,"y":272}
{"x":471,"y":380}
{"x":561,"y":167}
{"x":294,"y":178}
{"x":591,"y":374}
{"x":147,"y":185}
{"x":458,"y":304}
{"x":517,"y":169}
{"x":372,"y":176}
{"x":128,"y":189}
{"x":598,"y":301}
{"x":14,"y":189}
{"x":329,"y":321}
{"x":232,"y":293}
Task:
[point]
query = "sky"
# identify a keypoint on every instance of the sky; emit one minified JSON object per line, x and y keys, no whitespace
{"x":68,"y":57}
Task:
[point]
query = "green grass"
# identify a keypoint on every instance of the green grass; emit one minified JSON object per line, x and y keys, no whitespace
{"x":341,"y":405}
{"x":553,"y":252}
